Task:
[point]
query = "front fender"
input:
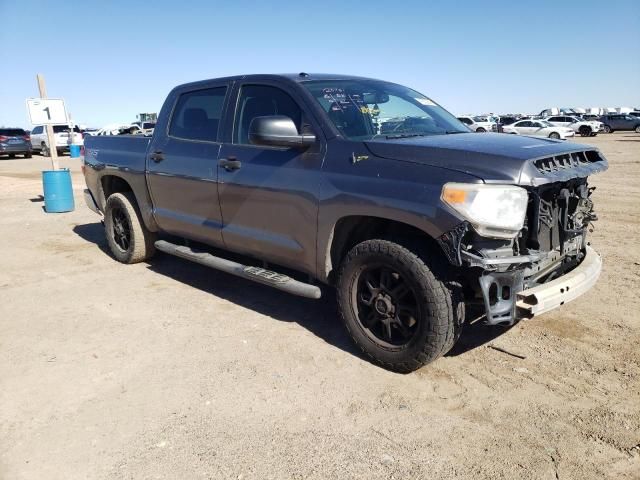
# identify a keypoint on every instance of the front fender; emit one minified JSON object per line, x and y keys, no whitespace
{"x":400,"y":191}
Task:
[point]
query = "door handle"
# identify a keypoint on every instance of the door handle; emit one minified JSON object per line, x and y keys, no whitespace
{"x":230,"y":164}
{"x":157,"y":156}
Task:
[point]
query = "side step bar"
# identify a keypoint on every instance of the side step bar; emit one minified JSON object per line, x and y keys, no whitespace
{"x":257,"y":274}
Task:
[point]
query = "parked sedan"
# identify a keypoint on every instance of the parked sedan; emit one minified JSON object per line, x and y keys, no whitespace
{"x":586,"y":128}
{"x":15,"y":141}
{"x":538,"y":128}
{"x":620,"y":122}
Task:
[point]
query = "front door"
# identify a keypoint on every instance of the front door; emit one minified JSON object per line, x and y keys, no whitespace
{"x":182,"y":166}
{"x":269,"y":195}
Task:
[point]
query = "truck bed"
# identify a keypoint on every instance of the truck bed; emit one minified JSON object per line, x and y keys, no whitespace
{"x":125,"y":154}
{"x":123,"y":151}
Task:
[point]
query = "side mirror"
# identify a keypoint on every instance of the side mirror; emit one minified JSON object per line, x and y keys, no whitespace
{"x":278,"y":131}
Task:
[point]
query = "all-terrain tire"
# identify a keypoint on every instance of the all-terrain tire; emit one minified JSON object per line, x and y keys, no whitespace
{"x":121,"y":216}
{"x":439,"y":304}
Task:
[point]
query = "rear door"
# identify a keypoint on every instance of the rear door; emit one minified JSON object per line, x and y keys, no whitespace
{"x":524,"y":128}
{"x":182,"y":171}
{"x":269,"y":198}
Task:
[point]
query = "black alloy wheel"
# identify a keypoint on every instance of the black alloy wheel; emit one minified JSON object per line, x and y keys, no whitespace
{"x":121,"y":229}
{"x":386,"y":305}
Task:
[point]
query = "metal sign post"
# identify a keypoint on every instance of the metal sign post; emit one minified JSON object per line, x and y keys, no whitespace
{"x":53,"y":151}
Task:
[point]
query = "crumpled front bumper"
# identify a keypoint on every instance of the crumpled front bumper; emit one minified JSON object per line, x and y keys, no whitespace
{"x":571,"y":285}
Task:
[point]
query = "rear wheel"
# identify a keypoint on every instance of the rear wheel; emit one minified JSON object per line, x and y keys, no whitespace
{"x":12,"y":155}
{"x":554,"y":135}
{"x":607,"y":129}
{"x":129,"y":239}
{"x":44,"y":150}
{"x":480,"y":130}
{"x":638,"y":129}
{"x":396,"y":309}
{"x":27,"y":155}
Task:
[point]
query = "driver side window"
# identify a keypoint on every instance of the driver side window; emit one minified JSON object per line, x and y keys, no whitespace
{"x":260,"y":101}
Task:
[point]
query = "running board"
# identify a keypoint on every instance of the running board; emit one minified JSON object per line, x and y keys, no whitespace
{"x":257,"y":274}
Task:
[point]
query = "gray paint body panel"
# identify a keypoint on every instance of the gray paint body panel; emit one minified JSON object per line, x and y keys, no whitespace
{"x":282,"y":205}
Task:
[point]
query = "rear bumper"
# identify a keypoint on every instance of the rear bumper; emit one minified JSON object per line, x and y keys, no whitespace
{"x":545,"y":297}
{"x":20,"y":148}
{"x":91,"y":203}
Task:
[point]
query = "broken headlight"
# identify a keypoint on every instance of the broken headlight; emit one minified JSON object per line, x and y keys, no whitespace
{"x":495,"y":211}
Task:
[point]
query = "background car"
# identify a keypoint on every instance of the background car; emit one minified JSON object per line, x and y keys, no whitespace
{"x":585,"y":128}
{"x":479,"y":124}
{"x":62,"y":134}
{"x":506,"y":120}
{"x":89,"y":131}
{"x":15,"y":141}
{"x":620,"y":122}
{"x":538,"y":128}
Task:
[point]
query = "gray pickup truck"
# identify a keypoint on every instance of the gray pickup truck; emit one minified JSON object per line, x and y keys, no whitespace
{"x":363,"y":185}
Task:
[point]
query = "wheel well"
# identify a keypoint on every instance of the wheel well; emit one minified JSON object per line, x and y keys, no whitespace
{"x":349,"y":231}
{"x":112,"y":184}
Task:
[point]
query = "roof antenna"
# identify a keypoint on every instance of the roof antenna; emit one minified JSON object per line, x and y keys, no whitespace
{"x":303,"y":74}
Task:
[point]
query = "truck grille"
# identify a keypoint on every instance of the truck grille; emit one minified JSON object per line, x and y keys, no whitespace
{"x":566,"y":161}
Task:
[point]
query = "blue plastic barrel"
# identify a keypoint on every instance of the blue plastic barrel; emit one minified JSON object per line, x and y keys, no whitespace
{"x":58,"y":193}
{"x":74,"y":151}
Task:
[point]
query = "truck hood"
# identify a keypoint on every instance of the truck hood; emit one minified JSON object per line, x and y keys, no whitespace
{"x":495,"y":157}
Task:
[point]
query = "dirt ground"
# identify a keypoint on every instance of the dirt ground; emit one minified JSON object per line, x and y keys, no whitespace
{"x":170,"y":370}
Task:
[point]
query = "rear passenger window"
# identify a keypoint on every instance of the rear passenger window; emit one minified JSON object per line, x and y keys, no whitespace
{"x":197,"y":114}
{"x":259,"y":101}
{"x":37,"y":130}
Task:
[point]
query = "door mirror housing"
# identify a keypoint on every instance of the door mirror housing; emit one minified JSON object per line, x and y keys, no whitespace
{"x":278,"y":131}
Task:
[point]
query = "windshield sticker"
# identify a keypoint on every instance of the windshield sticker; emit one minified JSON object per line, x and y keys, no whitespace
{"x":425,"y":101}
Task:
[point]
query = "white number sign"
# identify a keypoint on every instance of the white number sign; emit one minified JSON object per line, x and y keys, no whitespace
{"x":46,"y":110}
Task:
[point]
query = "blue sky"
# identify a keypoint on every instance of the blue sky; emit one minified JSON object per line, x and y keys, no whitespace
{"x":112,"y":59}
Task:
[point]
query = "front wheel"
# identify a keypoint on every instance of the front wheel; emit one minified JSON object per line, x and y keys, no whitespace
{"x":585,"y":131}
{"x":554,"y":135}
{"x":480,"y":130}
{"x":129,"y":239}
{"x":396,"y":309}
{"x":638,"y":129}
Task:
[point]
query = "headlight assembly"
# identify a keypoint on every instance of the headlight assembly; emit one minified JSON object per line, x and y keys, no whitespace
{"x":496,"y":211}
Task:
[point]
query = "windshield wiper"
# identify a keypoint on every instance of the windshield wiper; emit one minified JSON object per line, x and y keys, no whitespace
{"x":407,"y":135}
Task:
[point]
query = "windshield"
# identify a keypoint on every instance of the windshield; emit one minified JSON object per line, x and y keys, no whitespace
{"x":367,"y":109}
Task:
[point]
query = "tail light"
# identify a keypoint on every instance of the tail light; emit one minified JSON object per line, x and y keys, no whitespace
{"x":27,"y":138}
{"x":3,"y":138}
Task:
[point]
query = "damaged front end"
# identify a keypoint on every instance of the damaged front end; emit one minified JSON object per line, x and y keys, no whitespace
{"x":549,"y":262}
